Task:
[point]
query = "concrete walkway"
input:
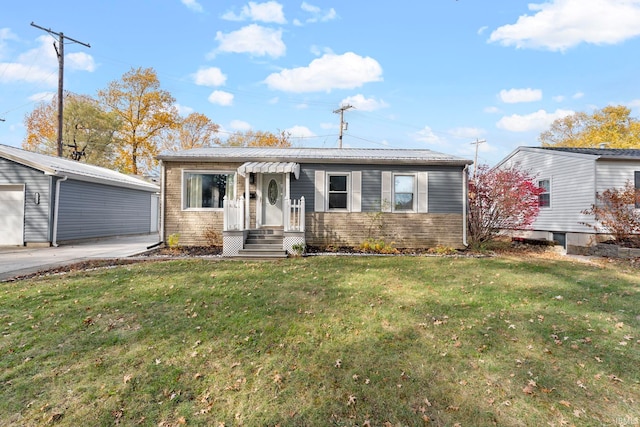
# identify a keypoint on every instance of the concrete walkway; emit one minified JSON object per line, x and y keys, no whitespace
{"x":20,"y":261}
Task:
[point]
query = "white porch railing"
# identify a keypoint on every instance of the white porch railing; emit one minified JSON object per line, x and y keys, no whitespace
{"x":294,"y":215}
{"x":233,"y":214}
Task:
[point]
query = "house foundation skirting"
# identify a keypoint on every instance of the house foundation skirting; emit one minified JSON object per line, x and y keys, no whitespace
{"x":233,"y":242}
{"x":291,"y":239}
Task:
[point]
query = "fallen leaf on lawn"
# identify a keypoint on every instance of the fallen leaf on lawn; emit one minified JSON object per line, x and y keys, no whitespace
{"x":352,"y":400}
{"x":529,"y":388}
{"x":277,"y":379}
{"x":126,"y":379}
{"x":338,"y":363}
{"x":614,"y":378}
{"x":565,"y":403}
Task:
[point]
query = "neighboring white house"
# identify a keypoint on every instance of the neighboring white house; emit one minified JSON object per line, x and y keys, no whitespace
{"x":572,"y":177}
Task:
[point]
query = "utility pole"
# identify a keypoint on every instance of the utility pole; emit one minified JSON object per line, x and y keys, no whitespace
{"x":60,"y":53}
{"x":477,"y":142}
{"x":341,"y":111}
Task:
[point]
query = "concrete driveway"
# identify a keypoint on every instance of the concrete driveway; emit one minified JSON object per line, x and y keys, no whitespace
{"x":20,"y":261}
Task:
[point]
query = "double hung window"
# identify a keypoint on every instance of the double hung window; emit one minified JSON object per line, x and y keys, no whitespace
{"x":544,"y":198}
{"x":404,"y":187}
{"x":338,"y":191}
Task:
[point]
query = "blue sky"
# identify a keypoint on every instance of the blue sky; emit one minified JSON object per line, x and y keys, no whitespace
{"x":437,"y":74}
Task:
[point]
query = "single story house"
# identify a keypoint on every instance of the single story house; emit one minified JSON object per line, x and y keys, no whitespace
{"x":572,"y":178}
{"x":46,"y":200}
{"x":321,"y":197}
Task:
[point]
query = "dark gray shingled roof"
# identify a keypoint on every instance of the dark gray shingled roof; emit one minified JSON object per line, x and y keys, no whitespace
{"x":605,"y":153}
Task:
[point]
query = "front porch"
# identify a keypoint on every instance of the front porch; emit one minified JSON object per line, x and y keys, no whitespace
{"x":262,"y":241}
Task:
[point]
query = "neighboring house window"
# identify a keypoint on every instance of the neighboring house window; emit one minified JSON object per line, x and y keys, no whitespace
{"x":206,"y":190}
{"x":637,"y":187}
{"x":403,"y":192}
{"x":544,"y":199}
{"x":338,"y":186}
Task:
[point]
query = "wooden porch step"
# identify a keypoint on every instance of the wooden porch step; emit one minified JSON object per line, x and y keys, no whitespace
{"x":263,"y":243}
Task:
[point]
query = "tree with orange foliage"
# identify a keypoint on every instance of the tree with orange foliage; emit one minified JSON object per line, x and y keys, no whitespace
{"x":612,"y":126}
{"x":194,"y":131}
{"x":260,"y":139}
{"x":87,"y":131}
{"x":145,"y":111}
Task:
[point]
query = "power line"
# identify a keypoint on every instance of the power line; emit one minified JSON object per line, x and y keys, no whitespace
{"x":60,"y":52}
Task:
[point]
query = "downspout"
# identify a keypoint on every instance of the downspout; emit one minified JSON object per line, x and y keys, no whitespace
{"x":465,"y":204}
{"x":162,"y":201}
{"x":55,"y":212}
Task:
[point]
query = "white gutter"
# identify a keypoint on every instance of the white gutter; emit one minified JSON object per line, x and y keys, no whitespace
{"x":55,"y":214}
{"x":465,"y":203}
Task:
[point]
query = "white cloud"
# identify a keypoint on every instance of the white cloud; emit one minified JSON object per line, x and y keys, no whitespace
{"x":364,"y":104}
{"x":558,"y":25}
{"x":514,"y":96}
{"x":327,"y":125}
{"x":240,"y":125}
{"x":558,"y":98}
{"x":467,"y":132}
{"x":183,"y":110}
{"x":211,"y":76}
{"x":270,"y":12}
{"x":18,"y":73}
{"x":40,"y":65}
{"x":5,"y":34}
{"x":326,"y":73}
{"x":193,"y":5}
{"x":537,"y":121}
{"x":300,"y":132}
{"x":427,"y":136}
{"x":578,"y":95}
{"x":491,"y":110}
{"x":634,"y":104}
{"x":80,"y":61}
{"x":221,"y":98}
{"x":318,"y":15}
{"x":253,"y":39}
{"x":42,"y":96}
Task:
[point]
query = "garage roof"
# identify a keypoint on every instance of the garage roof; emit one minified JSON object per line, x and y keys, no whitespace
{"x":58,"y":166}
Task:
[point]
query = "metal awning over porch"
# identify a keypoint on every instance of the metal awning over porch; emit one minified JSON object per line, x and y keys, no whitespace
{"x":270,"y":167}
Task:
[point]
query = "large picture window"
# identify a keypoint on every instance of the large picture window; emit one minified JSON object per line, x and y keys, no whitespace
{"x":544,"y":198}
{"x":404,"y":192}
{"x":207,"y":189}
{"x":338,"y":191}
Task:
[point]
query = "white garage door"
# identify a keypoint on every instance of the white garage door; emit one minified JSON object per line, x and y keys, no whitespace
{"x":11,"y":215}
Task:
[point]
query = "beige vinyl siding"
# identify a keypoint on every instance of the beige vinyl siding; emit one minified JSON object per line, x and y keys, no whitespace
{"x":572,"y":179}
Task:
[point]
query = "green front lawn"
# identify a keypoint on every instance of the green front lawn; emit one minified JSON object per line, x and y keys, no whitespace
{"x":320,"y":341}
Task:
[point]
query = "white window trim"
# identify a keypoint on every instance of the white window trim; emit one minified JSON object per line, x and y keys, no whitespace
{"x":183,"y":187}
{"x":549,"y":192}
{"x":327,"y":193}
{"x":414,"y":208}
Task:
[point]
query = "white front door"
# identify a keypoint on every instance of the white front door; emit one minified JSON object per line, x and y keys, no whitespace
{"x":272,"y":196}
{"x":11,"y":215}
